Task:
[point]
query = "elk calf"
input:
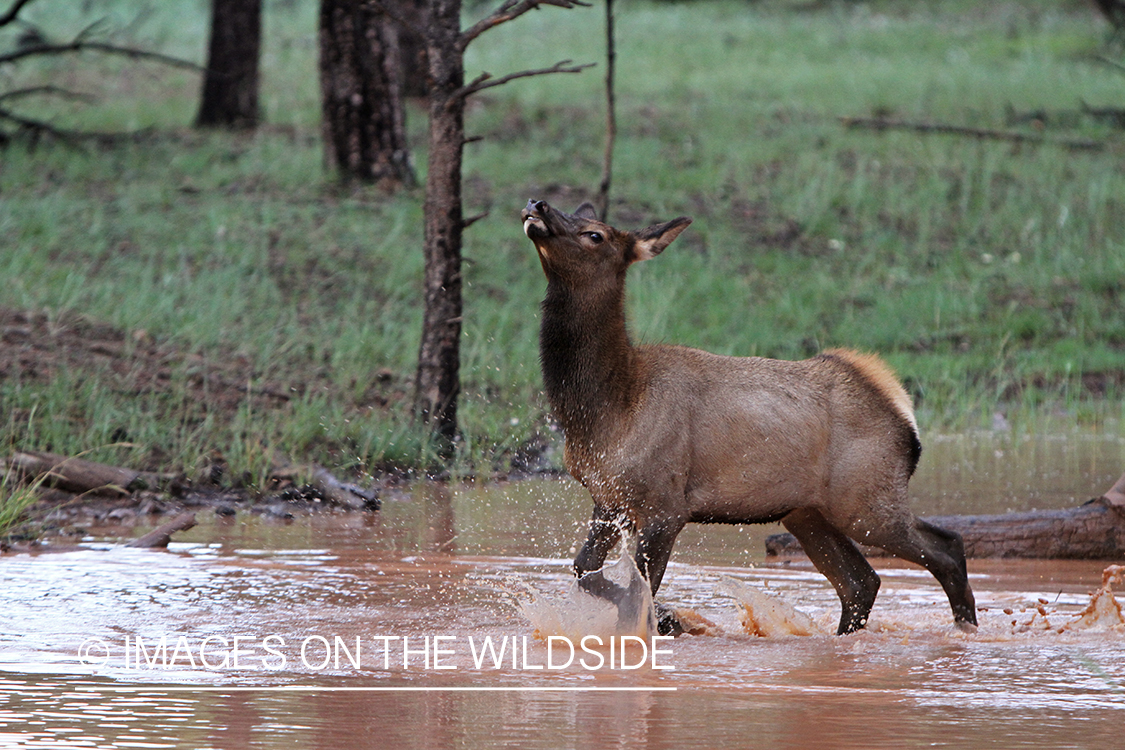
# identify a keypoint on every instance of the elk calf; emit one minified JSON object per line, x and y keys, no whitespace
{"x":666,"y":435}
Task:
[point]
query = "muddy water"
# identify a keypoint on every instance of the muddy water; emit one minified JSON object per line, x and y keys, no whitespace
{"x":423,"y":583}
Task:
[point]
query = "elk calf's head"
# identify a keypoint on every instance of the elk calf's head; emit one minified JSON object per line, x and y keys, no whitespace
{"x":663,"y":436}
{"x":577,"y":247}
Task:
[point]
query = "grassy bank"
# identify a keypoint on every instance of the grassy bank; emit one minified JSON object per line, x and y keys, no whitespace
{"x":251,"y":306}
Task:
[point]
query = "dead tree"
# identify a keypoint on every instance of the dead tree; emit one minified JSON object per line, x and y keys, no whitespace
{"x":230,"y":86}
{"x":35,"y":43}
{"x":364,"y":122}
{"x":437,"y":381}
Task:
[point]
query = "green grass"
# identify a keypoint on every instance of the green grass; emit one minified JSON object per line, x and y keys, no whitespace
{"x":991,"y":276}
{"x":15,"y":500}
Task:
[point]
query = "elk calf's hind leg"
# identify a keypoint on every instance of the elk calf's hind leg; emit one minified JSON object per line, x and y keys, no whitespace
{"x":943,"y":554}
{"x":841,"y":562}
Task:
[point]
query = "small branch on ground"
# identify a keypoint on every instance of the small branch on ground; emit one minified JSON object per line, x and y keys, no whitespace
{"x":36,"y":128}
{"x":1120,"y":67}
{"x":879,"y":124}
{"x":161,"y":535}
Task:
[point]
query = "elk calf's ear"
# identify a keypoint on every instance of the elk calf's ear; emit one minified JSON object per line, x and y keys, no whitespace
{"x":652,"y":240}
{"x":587,"y":211}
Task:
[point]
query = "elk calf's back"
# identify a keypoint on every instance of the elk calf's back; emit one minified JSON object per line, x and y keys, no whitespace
{"x":666,"y":435}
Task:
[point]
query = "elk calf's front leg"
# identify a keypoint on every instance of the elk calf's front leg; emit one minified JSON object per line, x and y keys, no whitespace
{"x":605,"y":533}
{"x":654,"y":547}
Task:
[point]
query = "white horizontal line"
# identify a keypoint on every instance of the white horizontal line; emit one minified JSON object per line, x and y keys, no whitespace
{"x":327,"y":689}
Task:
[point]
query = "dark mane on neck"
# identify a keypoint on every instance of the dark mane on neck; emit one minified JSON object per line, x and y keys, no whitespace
{"x":585,"y":354}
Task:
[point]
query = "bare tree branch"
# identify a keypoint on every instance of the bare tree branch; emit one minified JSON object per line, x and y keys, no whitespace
{"x":1113,"y":115}
{"x":37,"y":128}
{"x":466,"y":223}
{"x":509,"y":10}
{"x":89,"y":30}
{"x":486,"y":81}
{"x":74,"y":138}
{"x":78,"y":45}
{"x":13,"y":11}
{"x":34,"y":128}
{"x":46,"y":91}
{"x":1110,"y":62}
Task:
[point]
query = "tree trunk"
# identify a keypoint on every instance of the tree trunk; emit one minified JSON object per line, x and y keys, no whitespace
{"x":1114,"y":12}
{"x":437,"y":383}
{"x":415,"y":73}
{"x":364,"y":123}
{"x":230,"y":86}
{"x":1092,"y":531}
{"x":602,"y":201}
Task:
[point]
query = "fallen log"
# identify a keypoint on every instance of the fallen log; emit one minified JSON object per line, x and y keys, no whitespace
{"x":79,"y":475}
{"x":882,"y":123}
{"x":1094,"y":530}
{"x":161,"y":535}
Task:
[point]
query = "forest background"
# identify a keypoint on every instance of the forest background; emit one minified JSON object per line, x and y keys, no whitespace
{"x":184,"y":299}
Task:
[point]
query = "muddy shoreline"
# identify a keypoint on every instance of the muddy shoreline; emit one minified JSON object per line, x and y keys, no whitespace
{"x":59,"y":518}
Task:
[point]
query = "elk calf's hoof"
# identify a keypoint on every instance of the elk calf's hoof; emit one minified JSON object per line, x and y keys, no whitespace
{"x":666,"y":621}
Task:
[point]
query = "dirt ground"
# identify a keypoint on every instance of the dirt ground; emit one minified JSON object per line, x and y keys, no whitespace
{"x":38,"y":348}
{"x":35,"y":348}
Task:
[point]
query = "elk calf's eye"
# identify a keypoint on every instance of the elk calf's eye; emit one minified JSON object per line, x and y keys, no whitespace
{"x":595,"y":237}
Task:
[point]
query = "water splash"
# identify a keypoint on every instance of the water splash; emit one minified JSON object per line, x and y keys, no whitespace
{"x":766,"y":615}
{"x":1103,"y":612}
{"x":613,"y":601}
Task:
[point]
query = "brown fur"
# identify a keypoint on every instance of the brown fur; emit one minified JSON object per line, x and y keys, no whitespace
{"x":882,"y":378}
{"x":667,"y":435}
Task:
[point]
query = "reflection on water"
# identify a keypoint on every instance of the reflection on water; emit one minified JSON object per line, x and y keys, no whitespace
{"x":1000,"y":473}
{"x":268,"y":626}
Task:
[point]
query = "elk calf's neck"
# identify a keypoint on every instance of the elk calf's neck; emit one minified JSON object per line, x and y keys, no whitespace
{"x":666,"y":435}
